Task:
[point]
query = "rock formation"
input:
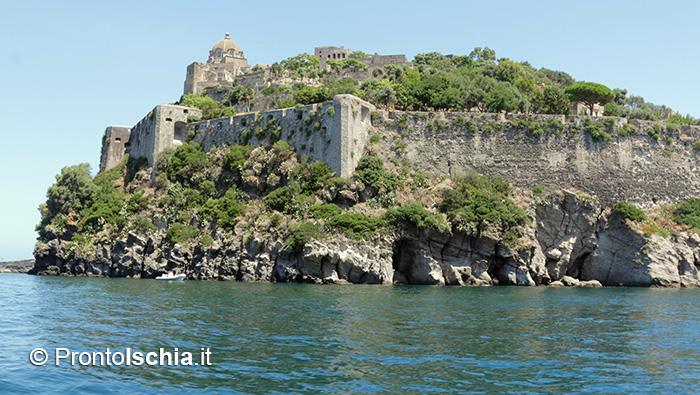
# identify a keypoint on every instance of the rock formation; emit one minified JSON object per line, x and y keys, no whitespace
{"x":572,"y":241}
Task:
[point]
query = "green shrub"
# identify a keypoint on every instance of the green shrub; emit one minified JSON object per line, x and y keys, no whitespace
{"x":338,"y":182}
{"x":236,"y":157}
{"x":355,"y":224}
{"x":402,"y":122}
{"x":105,"y":209}
{"x":626,"y":130}
{"x":374,"y":139}
{"x":419,"y":180}
{"x":478,"y":201}
{"x":411,"y":216}
{"x":188,"y":159}
{"x":178,"y":233}
{"x":282,"y":199}
{"x":597,"y":129}
{"x":555,"y":125}
{"x":467,"y":123}
{"x":316,"y":177}
{"x":301,"y":234}
{"x":370,"y":171}
{"x":538,"y":189}
{"x":688,"y":213}
{"x":655,"y":131}
{"x":275,"y":220}
{"x":323,"y":211}
{"x":330,"y":111}
{"x":142,"y":224}
{"x":696,"y":145}
{"x":629,"y":211}
{"x":225,"y":211}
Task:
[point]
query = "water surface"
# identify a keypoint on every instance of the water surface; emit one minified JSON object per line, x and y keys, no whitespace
{"x":297,"y":338}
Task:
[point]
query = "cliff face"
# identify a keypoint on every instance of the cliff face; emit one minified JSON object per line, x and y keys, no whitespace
{"x":572,"y":241}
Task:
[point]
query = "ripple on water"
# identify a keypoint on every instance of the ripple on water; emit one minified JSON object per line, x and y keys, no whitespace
{"x":282,"y":338}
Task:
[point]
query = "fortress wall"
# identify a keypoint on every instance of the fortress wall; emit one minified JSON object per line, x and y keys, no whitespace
{"x":336,"y":137}
{"x":636,"y":168}
{"x":164,"y":127}
{"x":114,"y":142}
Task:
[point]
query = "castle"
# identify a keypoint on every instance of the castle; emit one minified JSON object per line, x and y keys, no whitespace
{"x":339,"y":143}
{"x":226,"y":61}
{"x":638,"y":168}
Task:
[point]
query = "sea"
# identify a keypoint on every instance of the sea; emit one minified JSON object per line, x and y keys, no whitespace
{"x":88,"y":335}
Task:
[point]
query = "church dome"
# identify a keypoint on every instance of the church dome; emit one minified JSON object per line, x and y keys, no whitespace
{"x":225,"y":45}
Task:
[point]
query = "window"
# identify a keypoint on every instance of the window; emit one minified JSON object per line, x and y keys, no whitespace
{"x":117,"y":139}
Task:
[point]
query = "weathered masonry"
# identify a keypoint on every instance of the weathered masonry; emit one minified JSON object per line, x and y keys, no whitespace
{"x":115,"y":141}
{"x":333,"y":132}
{"x":164,"y":127}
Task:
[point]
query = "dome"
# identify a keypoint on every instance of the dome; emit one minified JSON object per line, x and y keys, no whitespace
{"x":226,"y":44}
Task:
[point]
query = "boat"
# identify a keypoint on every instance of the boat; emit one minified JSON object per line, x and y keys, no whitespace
{"x":171,"y":277}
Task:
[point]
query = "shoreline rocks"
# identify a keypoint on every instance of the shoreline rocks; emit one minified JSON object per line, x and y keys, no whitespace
{"x":572,"y":242}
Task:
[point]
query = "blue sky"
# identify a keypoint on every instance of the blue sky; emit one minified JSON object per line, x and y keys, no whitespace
{"x":69,"y":69}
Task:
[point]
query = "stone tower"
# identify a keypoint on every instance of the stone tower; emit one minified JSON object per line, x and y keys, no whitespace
{"x":225,"y":62}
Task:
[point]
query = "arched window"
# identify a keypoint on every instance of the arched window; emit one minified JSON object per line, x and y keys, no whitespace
{"x":218,"y":53}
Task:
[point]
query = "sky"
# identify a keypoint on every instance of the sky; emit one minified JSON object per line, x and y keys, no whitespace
{"x":70,"y":69}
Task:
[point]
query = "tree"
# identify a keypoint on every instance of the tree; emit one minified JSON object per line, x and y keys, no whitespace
{"x":426,"y":59}
{"x":483,"y":56}
{"x":73,"y":191}
{"x":553,"y":101}
{"x":509,"y":71}
{"x":501,"y":99}
{"x":358,"y":55}
{"x":590,"y":93}
{"x":378,"y":92}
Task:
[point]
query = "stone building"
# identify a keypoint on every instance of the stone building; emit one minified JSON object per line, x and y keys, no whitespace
{"x":331,"y":53}
{"x":226,"y":61}
{"x":581,"y":108}
{"x":163,"y":127}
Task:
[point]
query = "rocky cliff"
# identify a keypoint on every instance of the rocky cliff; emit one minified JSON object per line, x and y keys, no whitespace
{"x":573,"y":240}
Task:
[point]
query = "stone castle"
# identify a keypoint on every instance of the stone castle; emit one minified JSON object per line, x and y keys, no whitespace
{"x":636,"y":168}
{"x":342,"y":131}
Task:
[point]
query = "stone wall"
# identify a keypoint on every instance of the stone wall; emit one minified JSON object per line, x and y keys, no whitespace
{"x":335,"y":133}
{"x":636,"y":168}
{"x":114,"y":142}
{"x":164,"y":127}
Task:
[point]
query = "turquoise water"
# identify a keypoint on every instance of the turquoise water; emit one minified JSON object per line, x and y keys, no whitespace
{"x":296,"y":338}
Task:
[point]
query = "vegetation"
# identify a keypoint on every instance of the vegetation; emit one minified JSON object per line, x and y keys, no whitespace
{"x":688,"y":213}
{"x":301,"y":234}
{"x":478,"y":202}
{"x":370,"y":171}
{"x":210,"y":108}
{"x":590,"y":93}
{"x":629,"y":211}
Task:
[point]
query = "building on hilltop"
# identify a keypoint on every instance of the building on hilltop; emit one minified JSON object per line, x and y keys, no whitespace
{"x":334,"y":132}
{"x":331,"y":53}
{"x":226,"y":61}
{"x":581,"y":108}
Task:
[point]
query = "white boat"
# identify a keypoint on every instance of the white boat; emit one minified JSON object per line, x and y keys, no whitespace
{"x":171,"y":277}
